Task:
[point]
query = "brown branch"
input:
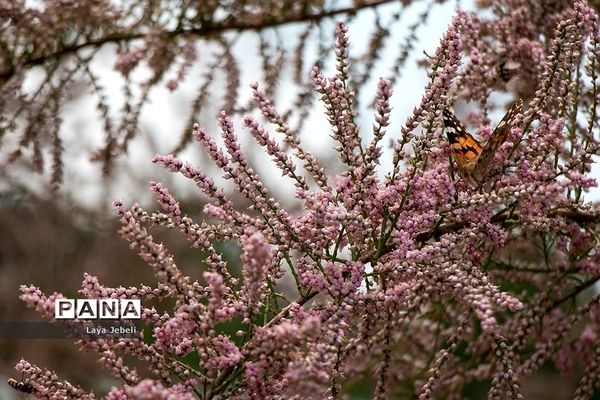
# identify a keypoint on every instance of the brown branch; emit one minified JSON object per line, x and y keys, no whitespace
{"x":206,"y":30}
{"x":576,"y":215}
{"x":439,"y":231}
{"x":578,"y":290}
{"x":568,"y":213}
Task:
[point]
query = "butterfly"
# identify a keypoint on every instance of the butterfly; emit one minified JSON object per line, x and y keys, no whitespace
{"x":472,"y":158}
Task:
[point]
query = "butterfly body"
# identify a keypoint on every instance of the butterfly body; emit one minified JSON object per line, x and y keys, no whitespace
{"x":473,"y":158}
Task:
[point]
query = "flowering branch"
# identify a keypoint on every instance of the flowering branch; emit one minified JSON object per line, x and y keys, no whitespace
{"x":412,"y":281}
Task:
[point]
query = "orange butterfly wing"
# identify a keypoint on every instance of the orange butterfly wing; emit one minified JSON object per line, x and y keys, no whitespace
{"x":472,"y":157}
{"x":465,"y":148}
{"x":498,"y":137}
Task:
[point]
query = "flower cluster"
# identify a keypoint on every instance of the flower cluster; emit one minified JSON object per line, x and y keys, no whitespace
{"x":419,"y":280}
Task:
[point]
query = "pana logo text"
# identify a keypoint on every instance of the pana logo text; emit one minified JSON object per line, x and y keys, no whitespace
{"x":97,"y":309}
